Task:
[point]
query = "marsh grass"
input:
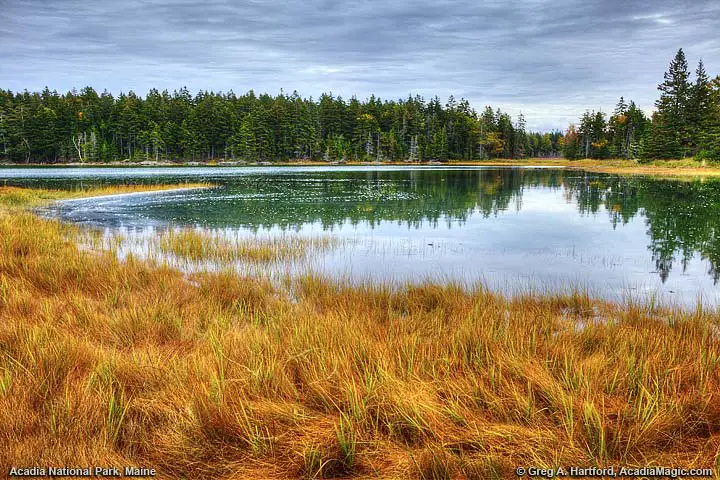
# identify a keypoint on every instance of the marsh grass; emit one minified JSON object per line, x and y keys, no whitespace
{"x":220,"y":375}
{"x":33,"y":197}
{"x":678,"y":169}
{"x":213,"y":245}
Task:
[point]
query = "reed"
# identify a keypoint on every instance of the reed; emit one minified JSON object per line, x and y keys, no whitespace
{"x":212,"y":245}
{"x":220,"y":375}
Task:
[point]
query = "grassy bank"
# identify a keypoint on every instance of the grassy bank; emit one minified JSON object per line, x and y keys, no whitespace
{"x":658,"y":168}
{"x":218,"y":375}
{"x":22,"y":198}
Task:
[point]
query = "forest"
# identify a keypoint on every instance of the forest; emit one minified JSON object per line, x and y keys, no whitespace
{"x":46,"y":127}
{"x":686,"y":122}
{"x":87,"y":126}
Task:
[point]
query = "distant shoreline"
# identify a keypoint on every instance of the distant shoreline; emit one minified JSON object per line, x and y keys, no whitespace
{"x":658,"y":168}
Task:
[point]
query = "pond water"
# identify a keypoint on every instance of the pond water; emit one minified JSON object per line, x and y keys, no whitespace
{"x":512,"y":228}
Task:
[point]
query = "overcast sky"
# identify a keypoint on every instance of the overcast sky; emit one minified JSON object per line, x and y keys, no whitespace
{"x":549,"y":59}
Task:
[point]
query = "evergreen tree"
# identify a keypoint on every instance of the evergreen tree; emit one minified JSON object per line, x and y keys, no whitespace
{"x":438,"y":148}
{"x":660,"y":141}
{"x":636,"y":124}
{"x":599,"y":132}
{"x":672,"y":109}
{"x":699,"y":108}
{"x":710,"y":138}
{"x":586,"y":132}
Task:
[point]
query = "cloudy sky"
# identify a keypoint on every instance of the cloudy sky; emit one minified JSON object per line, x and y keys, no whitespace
{"x":549,"y":59}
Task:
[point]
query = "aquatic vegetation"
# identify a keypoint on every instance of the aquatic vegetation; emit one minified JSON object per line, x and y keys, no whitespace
{"x":202,"y":245}
{"x":220,"y":375}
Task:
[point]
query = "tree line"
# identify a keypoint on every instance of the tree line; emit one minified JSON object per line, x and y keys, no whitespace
{"x":686,"y":122}
{"x":47,"y":127}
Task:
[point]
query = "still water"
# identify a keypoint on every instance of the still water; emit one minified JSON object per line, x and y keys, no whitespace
{"x":512,"y":228}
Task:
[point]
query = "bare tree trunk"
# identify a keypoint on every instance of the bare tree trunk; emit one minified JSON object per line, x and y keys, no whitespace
{"x":378,"y":147}
{"x":5,"y":152}
{"x":25,"y":140}
{"x":77,"y":143}
{"x":628,"y":140}
{"x":27,"y":144}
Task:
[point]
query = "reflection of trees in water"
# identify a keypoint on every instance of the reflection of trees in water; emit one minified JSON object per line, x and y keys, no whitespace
{"x":411,"y":197}
{"x":682,"y":217}
{"x":617,"y":195}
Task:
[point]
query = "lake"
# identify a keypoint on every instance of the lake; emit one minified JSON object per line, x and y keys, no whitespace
{"x":512,"y":228}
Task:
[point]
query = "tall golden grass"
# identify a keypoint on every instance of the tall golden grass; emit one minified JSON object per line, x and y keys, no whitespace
{"x":219,"y":375}
{"x":212,"y":245}
{"x":676,"y":169}
{"x":17,"y":197}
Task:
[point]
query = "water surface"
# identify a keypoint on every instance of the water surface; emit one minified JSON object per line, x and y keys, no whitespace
{"x":512,"y":228}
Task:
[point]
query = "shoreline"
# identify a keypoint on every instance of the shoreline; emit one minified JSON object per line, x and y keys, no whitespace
{"x":132,"y":194}
{"x":660,"y":168}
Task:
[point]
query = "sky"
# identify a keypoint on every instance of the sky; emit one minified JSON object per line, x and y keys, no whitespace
{"x":550,"y":60}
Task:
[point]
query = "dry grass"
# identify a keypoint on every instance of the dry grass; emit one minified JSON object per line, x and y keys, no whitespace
{"x":202,"y":245}
{"x":129,"y":363}
{"x":16,"y":197}
{"x":658,"y":168}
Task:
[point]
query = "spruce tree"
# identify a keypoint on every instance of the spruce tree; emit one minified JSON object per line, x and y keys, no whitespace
{"x":710,"y":139}
{"x":698,"y":111}
{"x":636,"y":125}
{"x":672,"y":109}
{"x":586,"y":133}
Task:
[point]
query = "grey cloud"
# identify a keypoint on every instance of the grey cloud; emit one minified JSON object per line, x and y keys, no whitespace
{"x":549,"y":59}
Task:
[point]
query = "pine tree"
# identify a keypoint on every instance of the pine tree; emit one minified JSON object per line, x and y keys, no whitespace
{"x":672,"y":109}
{"x":710,"y":139}
{"x":243,"y":142}
{"x":699,"y":107}
{"x":636,"y":125}
{"x":438,"y":148}
{"x":598,"y":134}
{"x":519,"y":137}
{"x":618,"y":129}
{"x":660,"y":141}
{"x":621,"y":107}
{"x":506,"y":130}
{"x":586,"y":133}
